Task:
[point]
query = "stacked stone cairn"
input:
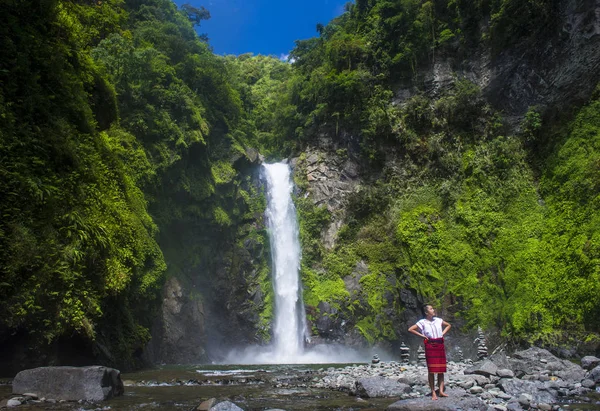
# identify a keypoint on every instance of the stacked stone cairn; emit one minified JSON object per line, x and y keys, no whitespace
{"x":421,"y":356}
{"x":375,"y":359}
{"x":404,"y":353}
{"x":482,"y":351}
{"x":459,"y":355}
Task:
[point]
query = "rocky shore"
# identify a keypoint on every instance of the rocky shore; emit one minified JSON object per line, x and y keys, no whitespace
{"x":530,"y":379}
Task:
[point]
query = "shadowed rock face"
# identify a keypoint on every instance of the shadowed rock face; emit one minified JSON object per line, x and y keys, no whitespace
{"x":70,"y":383}
{"x":180,"y":332}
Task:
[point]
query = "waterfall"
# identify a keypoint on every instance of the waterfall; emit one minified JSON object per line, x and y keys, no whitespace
{"x":289,"y":328}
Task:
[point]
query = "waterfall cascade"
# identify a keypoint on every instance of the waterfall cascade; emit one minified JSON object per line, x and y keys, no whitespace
{"x":289,"y":329}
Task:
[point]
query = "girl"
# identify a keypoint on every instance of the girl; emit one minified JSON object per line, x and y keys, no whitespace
{"x":430,"y":329}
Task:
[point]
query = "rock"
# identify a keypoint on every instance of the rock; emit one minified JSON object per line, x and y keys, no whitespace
{"x":476,"y":390}
{"x":93,"y":383}
{"x":479,"y":379}
{"x":225,"y":406}
{"x":504,"y":373}
{"x":467,"y":384}
{"x":486,"y":368}
{"x":179,"y":334}
{"x":587,"y":383}
{"x":525,"y":400}
{"x":457,"y":400}
{"x":594,"y":375}
{"x":535,"y":389}
{"x":540,"y":361}
{"x":588,"y":362}
{"x":206,"y":405}
{"x":13,"y":403}
{"x":377,"y":387}
{"x":514,"y":406}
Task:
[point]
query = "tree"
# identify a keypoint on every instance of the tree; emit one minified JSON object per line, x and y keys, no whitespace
{"x":195,"y":14}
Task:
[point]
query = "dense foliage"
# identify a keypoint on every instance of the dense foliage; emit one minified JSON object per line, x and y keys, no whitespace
{"x":128,"y":154}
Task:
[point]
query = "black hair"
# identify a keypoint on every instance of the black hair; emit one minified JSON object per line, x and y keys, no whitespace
{"x":423,"y":307}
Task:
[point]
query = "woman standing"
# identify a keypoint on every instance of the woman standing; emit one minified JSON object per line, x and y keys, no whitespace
{"x":430,"y":329}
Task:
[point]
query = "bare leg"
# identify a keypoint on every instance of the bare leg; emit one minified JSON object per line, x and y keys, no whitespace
{"x":432,"y":385}
{"x":441,"y":384}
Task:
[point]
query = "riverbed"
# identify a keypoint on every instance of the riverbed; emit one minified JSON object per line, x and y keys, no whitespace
{"x":251,"y":387}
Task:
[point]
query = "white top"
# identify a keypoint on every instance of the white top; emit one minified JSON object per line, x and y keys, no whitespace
{"x":431,"y":329}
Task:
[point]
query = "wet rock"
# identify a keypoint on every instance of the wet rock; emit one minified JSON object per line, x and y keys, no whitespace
{"x":378,"y":387}
{"x":457,"y":400}
{"x":93,"y":383}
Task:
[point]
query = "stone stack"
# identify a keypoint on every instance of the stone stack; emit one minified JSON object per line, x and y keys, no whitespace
{"x":459,"y":355}
{"x":421,"y":356}
{"x":375,"y":359}
{"x":482,"y":351}
{"x":404,"y":353}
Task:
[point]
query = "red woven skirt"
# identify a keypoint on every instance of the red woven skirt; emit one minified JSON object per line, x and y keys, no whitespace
{"x":435,"y":354}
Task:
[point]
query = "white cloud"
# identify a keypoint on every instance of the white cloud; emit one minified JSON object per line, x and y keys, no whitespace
{"x":286,"y":58}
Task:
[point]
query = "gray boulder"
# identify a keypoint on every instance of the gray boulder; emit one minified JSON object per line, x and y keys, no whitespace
{"x":457,"y":400}
{"x":588,"y":362}
{"x":535,"y":360}
{"x":93,"y":383}
{"x":379,"y":387}
{"x":594,"y":375}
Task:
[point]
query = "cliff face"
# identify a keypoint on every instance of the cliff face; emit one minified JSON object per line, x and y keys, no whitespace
{"x":554,"y":72}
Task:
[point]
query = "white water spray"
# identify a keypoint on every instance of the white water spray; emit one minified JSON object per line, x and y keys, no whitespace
{"x":289,"y":329}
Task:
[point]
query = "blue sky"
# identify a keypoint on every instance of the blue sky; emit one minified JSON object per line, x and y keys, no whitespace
{"x":263,"y":26}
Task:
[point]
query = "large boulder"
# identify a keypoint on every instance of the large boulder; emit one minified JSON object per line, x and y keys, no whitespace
{"x":93,"y":383}
{"x":535,"y":360}
{"x":377,"y":387}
